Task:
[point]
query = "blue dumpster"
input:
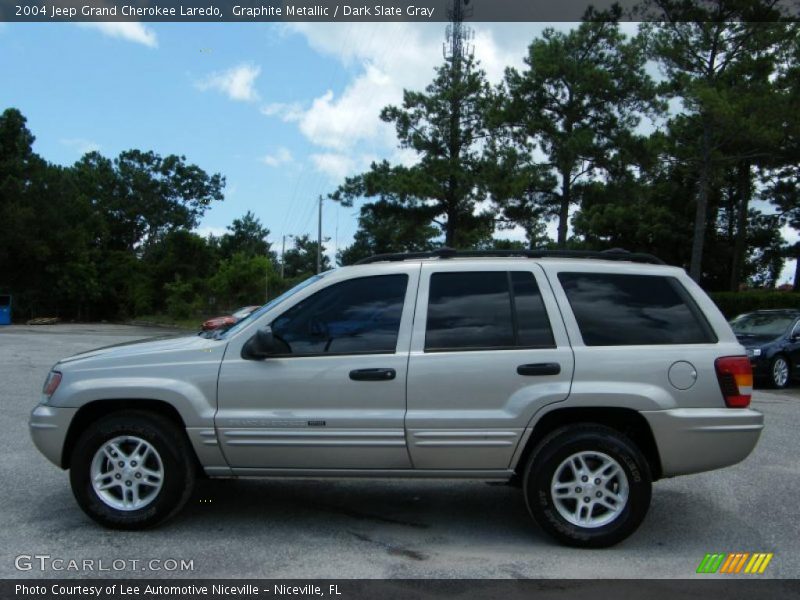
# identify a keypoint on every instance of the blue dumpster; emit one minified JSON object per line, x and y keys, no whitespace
{"x":5,"y":309}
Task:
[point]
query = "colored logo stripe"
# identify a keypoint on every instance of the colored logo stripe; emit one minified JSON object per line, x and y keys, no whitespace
{"x":734,"y":562}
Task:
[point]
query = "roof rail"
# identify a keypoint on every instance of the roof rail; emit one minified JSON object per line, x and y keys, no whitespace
{"x":445,"y":253}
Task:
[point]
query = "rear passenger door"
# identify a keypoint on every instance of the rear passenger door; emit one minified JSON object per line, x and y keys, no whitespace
{"x":488,"y":349}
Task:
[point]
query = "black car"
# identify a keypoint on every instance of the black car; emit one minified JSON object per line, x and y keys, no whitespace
{"x":772,"y":341}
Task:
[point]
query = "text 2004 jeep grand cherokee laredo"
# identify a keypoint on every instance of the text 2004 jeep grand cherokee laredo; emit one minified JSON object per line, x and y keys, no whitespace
{"x":584,"y":379}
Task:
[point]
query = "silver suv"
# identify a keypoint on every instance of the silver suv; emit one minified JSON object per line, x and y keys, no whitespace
{"x":581,"y":377}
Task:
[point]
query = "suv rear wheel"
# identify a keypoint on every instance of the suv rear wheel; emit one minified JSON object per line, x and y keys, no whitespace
{"x":132,"y":470}
{"x":587,"y":485}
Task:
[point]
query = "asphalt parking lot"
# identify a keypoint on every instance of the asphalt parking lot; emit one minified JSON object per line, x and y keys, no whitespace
{"x":343,"y":529}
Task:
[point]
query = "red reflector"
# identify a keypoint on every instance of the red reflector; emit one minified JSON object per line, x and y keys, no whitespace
{"x":51,"y":385}
{"x":735,"y":376}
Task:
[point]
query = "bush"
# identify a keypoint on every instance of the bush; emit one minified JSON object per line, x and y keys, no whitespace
{"x":735,"y":303}
{"x":181,"y":299}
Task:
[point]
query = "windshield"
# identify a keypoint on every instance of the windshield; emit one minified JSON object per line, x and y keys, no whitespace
{"x":766,"y":325}
{"x":268,"y":306}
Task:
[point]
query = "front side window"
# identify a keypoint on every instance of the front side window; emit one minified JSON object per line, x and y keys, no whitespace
{"x":358,"y":316}
{"x":485,"y":310}
{"x":627,"y":310}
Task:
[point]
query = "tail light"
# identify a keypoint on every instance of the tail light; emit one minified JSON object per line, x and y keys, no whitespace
{"x":51,"y":383}
{"x":735,"y":377}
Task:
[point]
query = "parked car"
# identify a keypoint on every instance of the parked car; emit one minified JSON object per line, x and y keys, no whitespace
{"x":226,"y":321}
{"x":772,"y":341}
{"x":582,"y":380}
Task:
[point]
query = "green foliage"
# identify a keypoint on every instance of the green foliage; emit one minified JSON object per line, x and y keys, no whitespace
{"x":300,"y":261}
{"x":242,"y":280}
{"x":102,"y":238}
{"x":560,"y":140}
{"x":385,"y":227}
{"x":721,"y":62}
{"x":246,"y":236}
{"x":578,"y":101}
{"x":181,"y":299}
{"x":735,"y":303}
{"x":445,"y":126}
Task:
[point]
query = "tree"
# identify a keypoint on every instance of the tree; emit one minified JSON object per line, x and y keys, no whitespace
{"x":242,"y":280}
{"x":705,"y":51}
{"x":142,"y":196}
{"x":44,"y":240}
{"x":301,"y":260}
{"x":180,"y":256}
{"x":246,"y":236}
{"x":783,"y":183}
{"x":384,"y":227}
{"x":581,"y":94}
{"x":445,"y":126}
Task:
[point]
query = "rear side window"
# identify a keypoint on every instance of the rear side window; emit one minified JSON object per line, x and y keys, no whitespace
{"x":485,"y":310}
{"x":628,"y":310}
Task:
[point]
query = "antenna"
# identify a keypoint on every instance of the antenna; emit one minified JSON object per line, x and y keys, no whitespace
{"x":458,"y":36}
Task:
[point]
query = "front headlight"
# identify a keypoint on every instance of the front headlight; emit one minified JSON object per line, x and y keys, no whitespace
{"x":51,"y":383}
{"x":754,"y":352}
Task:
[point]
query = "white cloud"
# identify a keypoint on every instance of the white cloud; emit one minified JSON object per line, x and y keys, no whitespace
{"x":339,"y":165}
{"x":238,"y":83}
{"x":338,"y":123}
{"x":285,"y":112}
{"x":215,"y":231}
{"x":80,"y":145}
{"x":388,"y":58}
{"x":131,"y":31}
{"x":280,"y":157}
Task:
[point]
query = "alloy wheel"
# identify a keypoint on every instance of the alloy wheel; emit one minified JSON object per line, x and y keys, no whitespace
{"x":589,"y":489}
{"x":127,"y":473}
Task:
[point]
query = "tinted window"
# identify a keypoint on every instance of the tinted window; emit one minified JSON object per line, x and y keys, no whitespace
{"x":473,"y":310}
{"x":356,"y":316}
{"x":624,"y":310}
{"x":532,"y":323}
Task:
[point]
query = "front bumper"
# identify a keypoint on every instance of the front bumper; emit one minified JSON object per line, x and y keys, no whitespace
{"x":691,"y":440}
{"x":49,"y":426}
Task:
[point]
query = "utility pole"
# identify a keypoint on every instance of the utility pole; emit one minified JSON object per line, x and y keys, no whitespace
{"x":319,"y":237}
{"x":269,"y":271}
{"x":283,"y":251}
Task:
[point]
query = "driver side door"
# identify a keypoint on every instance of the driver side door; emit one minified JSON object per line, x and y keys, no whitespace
{"x":333,"y":394}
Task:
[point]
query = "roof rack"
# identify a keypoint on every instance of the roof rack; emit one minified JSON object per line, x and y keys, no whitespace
{"x":445,"y":253}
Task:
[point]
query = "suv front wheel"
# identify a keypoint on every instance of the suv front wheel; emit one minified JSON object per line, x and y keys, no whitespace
{"x":587,"y":485}
{"x":132,"y":470}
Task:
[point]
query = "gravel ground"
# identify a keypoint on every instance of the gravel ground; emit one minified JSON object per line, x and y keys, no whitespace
{"x":375,"y":529}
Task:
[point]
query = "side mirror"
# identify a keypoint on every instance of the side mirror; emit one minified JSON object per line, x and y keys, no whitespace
{"x":260,"y":346}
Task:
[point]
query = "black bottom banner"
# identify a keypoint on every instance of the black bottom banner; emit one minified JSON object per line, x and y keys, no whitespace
{"x":401,"y":589}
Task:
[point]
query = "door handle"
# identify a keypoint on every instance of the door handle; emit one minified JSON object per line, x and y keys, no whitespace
{"x":373,"y":374}
{"x":535,"y":369}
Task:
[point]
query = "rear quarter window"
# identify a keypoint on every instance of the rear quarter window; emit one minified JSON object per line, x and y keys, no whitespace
{"x":628,"y":310}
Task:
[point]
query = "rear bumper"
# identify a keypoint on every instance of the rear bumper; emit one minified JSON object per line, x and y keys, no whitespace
{"x":48,"y":426}
{"x":691,"y":440}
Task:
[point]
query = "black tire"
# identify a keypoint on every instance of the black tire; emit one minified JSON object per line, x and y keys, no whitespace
{"x":176,"y":454}
{"x":773,"y":379}
{"x":559,"y":446}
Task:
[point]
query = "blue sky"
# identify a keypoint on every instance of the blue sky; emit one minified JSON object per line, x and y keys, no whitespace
{"x":284,"y":111}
